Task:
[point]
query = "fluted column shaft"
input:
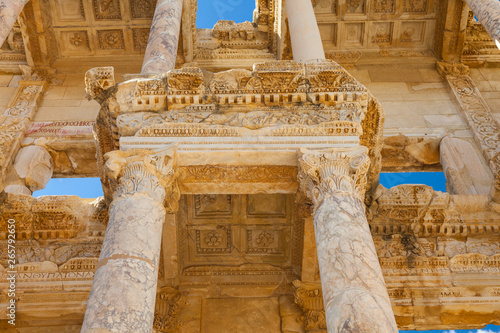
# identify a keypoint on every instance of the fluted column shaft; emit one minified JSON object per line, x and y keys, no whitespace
{"x":488,"y":13}
{"x":354,"y":292}
{"x":122,"y":298}
{"x":304,"y":32}
{"x":9,"y":11}
{"x":163,"y":42}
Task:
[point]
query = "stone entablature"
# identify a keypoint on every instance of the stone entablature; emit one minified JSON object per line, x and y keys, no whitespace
{"x":286,"y":105}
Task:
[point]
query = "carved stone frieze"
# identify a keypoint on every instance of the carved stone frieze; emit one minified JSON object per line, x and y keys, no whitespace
{"x":480,"y":119}
{"x":281,"y":99}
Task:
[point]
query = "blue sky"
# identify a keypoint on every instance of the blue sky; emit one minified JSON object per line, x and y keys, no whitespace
{"x":209,"y":12}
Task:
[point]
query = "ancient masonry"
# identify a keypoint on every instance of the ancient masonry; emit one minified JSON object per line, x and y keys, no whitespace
{"x":240,"y":166}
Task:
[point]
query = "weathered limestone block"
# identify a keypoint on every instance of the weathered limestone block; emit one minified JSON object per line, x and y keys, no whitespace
{"x":34,"y":164}
{"x":124,"y":289}
{"x":161,"y":51}
{"x":17,"y":189}
{"x":463,"y":170}
{"x":354,"y":291}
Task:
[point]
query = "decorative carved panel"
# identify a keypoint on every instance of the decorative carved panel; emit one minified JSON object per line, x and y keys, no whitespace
{"x":70,"y":10}
{"x":111,"y":39}
{"x":141,"y":37}
{"x":236,"y":229}
{"x":107,"y":9}
{"x":142,"y":8}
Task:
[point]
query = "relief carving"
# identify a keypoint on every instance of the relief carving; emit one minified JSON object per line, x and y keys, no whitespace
{"x":309,"y":297}
{"x":107,"y":9}
{"x":331,"y":172}
{"x":142,"y":8}
{"x":169,"y":304}
{"x":148,"y":172}
{"x":384,"y":6}
{"x":111,"y":39}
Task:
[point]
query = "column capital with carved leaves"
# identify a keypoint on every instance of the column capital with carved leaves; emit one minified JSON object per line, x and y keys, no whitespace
{"x":354,"y":292}
{"x":122,"y":298}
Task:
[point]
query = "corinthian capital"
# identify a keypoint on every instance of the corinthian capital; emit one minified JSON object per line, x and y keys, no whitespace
{"x":334,"y":171}
{"x":149,"y":172}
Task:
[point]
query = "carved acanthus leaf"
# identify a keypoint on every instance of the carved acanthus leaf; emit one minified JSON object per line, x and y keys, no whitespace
{"x":334,"y":171}
{"x":144,"y":171}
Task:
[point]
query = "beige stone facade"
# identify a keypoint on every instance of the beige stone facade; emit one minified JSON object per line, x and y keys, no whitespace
{"x":240,"y":166}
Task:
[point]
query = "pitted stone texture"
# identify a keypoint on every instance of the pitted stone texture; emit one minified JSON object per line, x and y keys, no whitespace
{"x":9,"y":11}
{"x":122,"y":298}
{"x":34,"y":164}
{"x":354,"y":290}
{"x":134,"y":229}
{"x":161,"y":51}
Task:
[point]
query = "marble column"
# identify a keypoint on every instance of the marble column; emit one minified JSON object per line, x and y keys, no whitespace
{"x":354,"y":292}
{"x":304,"y":32}
{"x":488,"y":13}
{"x":9,"y":11}
{"x":161,"y":51}
{"x":122,"y":298}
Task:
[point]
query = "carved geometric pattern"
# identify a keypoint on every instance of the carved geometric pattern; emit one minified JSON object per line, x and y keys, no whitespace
{"x":384,"y":6}
{"x":415,"y":6}
{"x":111,"y":39}
{"x":142,"y":8}
{"x":107,"y":10}
{"x":141,"y":37}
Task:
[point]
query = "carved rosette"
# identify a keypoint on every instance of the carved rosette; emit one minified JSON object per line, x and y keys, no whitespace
{"x":333,"y":172}
{"x":151,"y":173}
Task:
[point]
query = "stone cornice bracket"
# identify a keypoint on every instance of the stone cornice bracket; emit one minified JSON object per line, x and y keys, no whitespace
{"x":333,"y":171}
{"x":149,"y":172}
{"x":452,"y":68}
{"x":97,"y":81}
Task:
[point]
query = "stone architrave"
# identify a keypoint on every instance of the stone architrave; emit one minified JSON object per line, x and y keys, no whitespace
{"x":122,"y":298}
{"x":354,"y":291}
{"x":481,"y":121}
{"x":9,"y":11}
{"x":161,"y":50}
{"x":488,"y":13}
{"x":304,"y":31}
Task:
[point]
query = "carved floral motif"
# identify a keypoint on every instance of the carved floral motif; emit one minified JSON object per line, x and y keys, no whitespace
{"x":335,"y":171}
{"x":168,"y":305}
{"x":484,"y":126}
{"x":148,"y":172}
